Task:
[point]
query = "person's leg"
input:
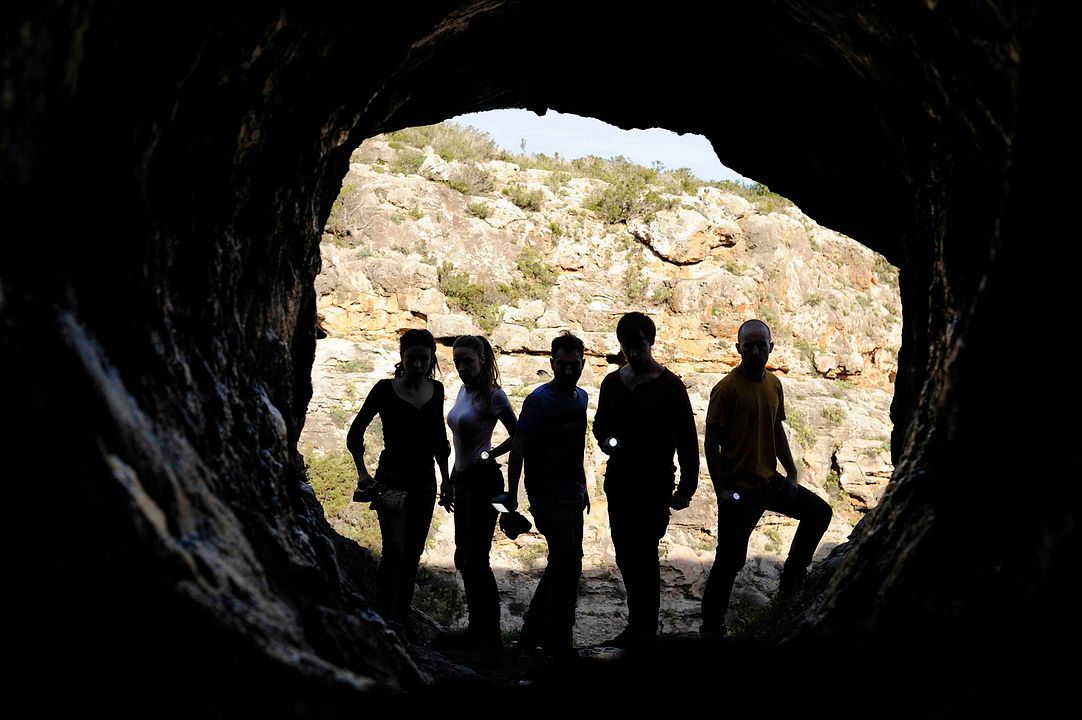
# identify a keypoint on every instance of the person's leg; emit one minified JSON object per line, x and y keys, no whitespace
{"x":736,"y":520}
{"x":562,"y":528}
{"x":535,"y":624}
{"x":475,"y":522}
{"x":418,"y":518}
{"x":648,"y":592}
{"x":536,"y":621}
{"x":620,"y":527}
{"x":392,"y":528}
{"x":814,"y":515}
{"x":636,"y":528}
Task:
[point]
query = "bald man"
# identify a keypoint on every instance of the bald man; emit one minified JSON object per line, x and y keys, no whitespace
{"x":744,"y":442}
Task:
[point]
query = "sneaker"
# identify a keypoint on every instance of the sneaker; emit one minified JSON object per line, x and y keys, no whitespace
{"x":628,"y":639}
{"x":528,"y":642}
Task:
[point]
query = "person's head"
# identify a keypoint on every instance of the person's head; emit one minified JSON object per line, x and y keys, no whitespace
{"x":568,"y":355}
{"x":476,"y":365}
{"x":636,"y":333}
{"x":417,"y":355}
{"x":754,"y":343}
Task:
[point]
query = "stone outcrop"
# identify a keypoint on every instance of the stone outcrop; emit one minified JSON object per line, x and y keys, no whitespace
{"x":779,"y":265}
{"x":166,"y":174}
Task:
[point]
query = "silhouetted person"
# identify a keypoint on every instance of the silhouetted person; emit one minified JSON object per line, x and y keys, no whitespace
{"x":411,"y":410}
{"x":476,"y":479}
{"x":744,"y":441}
{"x":643,"y":417}
{"x":551,"y":438}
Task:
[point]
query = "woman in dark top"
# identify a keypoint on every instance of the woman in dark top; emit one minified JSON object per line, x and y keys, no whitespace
{"x":477,"y":479}
{"x":410,"y":408}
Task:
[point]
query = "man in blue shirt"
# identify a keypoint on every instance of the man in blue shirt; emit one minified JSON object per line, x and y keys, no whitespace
{"x":551,"y":439}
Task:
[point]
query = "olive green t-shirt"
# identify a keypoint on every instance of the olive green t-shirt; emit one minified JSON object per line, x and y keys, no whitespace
{"x":746,"y":410}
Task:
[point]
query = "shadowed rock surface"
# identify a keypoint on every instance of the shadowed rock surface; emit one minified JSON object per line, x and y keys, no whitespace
{"x":167,"y":171}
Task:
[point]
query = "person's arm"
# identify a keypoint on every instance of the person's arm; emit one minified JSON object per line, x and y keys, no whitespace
{"x":602,"y":419}
{"x":510,"y":424}
{"x":514,"y":470}
{"x":717,"y":416}
{"x":715,"y":464}
{"x":784,"y":453}
{"x":442,"y":449}
{"x":355,"y":437}
{"x":781,"y":446}
{"x":687,"y":450}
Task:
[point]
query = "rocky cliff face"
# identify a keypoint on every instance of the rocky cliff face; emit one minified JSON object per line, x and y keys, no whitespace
{"x":700,"y":266}
{"x":168,"y":169}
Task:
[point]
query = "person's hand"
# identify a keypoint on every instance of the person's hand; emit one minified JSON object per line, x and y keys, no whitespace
{"x":679,"y":502}
{"x":364,"y":480}
{"x":447,"y":496}
{"x":507,"y":501}
{"x":792,"y":483}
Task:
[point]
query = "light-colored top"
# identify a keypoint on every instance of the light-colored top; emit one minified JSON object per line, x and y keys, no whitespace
{"x":470,"y":428}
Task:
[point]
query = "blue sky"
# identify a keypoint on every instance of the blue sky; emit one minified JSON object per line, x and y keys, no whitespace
{"x":573,"y":136}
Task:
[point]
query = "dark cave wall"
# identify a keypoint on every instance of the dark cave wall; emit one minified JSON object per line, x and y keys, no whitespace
{"x":167,"y":171}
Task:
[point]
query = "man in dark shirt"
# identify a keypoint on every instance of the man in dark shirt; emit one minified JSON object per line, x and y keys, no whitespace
{"x":643,"y":417}
{"x":744,"y":442}
{"x":551,"y":438}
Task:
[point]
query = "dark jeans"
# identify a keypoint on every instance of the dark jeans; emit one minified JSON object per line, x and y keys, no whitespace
{"x":404,"y":531}
{"x":737,"y":520}
{"x":475,"y":522}
{"x":637,"y":525}
{"x":551,"y":616}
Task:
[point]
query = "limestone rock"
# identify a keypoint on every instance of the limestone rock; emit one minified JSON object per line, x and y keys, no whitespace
{"x":450,"y":325}
{"x":684,"y":236}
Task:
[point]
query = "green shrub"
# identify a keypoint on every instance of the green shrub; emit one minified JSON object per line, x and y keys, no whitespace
{"x":839,"y":498}
{"x":887,"y":273}
{"x":804,"y":433}
{"x":407,"y":161}
{"x":526,"y":199}
{"x":681,"y":181}
{"x":450,"y":141}
{"x":482,"y":302}
{"x":634,"y":283}
{"x":662,"y":294}
{"x":617,"y":203}
{"x":479,"y":209}
{"x":758,"y":194}
{"x":834,"y":413}
{"x":340,"y":416}
{"x":556,"y":180}
{"x":775,"y":542}
{"x":538,"y":275}
{"x":807,"y":349}
{"x":346,"y":211}
{"x":439,"y":596}
{"x":471,"y":179}
{"x":333,"y":478}
{"x":354,"y":366}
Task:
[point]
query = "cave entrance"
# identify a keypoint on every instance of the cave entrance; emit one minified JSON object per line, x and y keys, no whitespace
{"x":445,"y":228}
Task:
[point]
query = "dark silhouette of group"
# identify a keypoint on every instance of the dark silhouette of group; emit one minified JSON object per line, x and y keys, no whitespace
{"x":644,"y":419}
